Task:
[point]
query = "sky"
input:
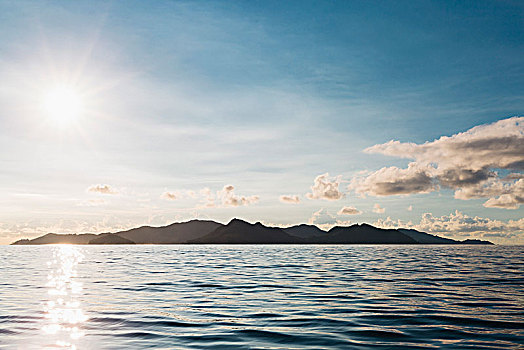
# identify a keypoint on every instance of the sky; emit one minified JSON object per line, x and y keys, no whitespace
{"x":117,"y":114}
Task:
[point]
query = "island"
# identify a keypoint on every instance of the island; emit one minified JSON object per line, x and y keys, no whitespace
{"x":238,"y":231}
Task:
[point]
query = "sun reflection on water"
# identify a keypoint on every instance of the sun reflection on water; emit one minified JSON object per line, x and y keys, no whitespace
{"x":63,"y":311}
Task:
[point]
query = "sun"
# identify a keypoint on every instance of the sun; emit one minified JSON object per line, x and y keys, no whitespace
{"x":62,"y":105}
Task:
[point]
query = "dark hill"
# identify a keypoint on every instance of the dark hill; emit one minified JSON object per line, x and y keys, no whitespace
{"x":55,"y":238}
{"x":475,"y":241}
{"x":110,"y":238}
{"x":241,"y":232}
{"x":364,"y":234}
{"x":426,"y":238}
{"x":179,"y":232}
{"x":304,"y":231}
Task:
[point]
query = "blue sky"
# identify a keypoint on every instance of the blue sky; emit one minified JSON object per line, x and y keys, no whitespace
{"x":181,"y":99}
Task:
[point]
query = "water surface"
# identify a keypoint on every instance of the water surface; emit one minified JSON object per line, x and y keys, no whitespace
{"x":261,"y":296}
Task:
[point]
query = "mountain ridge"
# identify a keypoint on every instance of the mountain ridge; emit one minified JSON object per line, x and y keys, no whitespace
{"x":238,"y":231}
{"x":235,"y":232}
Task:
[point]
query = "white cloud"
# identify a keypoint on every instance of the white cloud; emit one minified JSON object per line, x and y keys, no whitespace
{"x":378,"y":209}
{"x":102,"y":189}
{"x":170,"y":196}
{"x":343,"y":222}
{"x":466,"y":162}
{"x":290,"y":199}
{"x":225,"y":198}
{"x":191,"y":194}
{"x":349,"y":211}
{"x":497,"y":145}
{"x":326,"y":188}
{"x":505,"y":201}
{"x":458,"y":225}
{"x":179,"y":194}
{"x":320,"y":216}
{"x":208,"y":198}
{"x":325,"y":220}
{"x":393,"y":224}
{"x":504,"y":193}
{"x":229,"y":199}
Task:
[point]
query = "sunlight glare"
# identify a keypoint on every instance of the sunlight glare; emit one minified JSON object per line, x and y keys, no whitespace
{"x":63,"y":311}
{"x":63,"y":105}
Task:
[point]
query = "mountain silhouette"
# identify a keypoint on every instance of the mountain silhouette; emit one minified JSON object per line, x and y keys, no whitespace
{"x":179,"y":232}
{"x":241,"y":232}
{"x":425,"y":238}
{"x":364,"y":234}
{"x":110,"y":238}
{"x":56,"y":238}
{"x":304,"y":231}
{"x":474,"y":241}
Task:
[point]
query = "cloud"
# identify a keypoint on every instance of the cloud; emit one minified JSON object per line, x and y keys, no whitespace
{"x":497,"y":145}
{"x":461,"y":226}
{"x":102,"y":189}
{"x":325,"y":220}
{"x":326,"y":188}
{"x":459,"y":178}
{"x":225,"y":198}
{"x":343,"y":222}
{"x":179,"y":194}
{"x":504,"y":193}
{"x":38,"y":227}
{"x":514,"y":176}
{"x":208,"y":198}
{"x":170,"y":196}
{"x":290,"y":199}
{"x":505,"y":201}
{"x":393,"y":181}
{"x":349,"y":211}
{"x":321,"y":216}
{"x":378,"y":209}
{"x":229,"y":199}
{"x":466,"y":162}
{"x":394,"y":224}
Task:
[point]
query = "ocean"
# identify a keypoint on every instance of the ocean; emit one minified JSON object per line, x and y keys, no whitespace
{"x":261,"y":297}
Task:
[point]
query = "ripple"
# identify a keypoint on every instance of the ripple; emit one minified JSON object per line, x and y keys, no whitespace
{"x":249,"y":297}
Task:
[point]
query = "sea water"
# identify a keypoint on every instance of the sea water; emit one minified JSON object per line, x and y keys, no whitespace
{"x":261,"y":297}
